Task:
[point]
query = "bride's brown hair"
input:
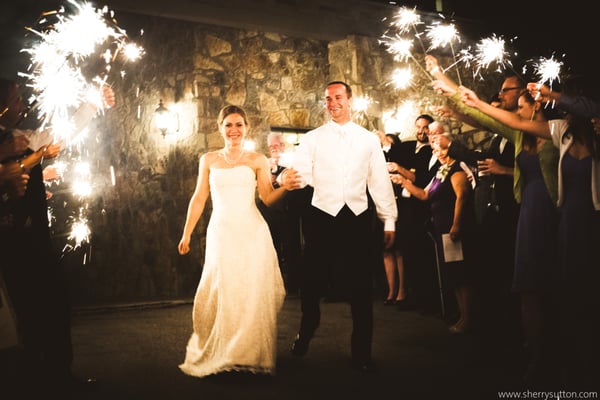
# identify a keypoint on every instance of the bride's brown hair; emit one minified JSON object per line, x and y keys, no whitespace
{"x":228,"y":110}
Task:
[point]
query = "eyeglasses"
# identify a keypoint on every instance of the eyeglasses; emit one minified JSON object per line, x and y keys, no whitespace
{"x":508,"y":89}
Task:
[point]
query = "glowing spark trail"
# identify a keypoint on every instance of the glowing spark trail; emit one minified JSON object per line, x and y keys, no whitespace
{"x":548,"y":70}
{"x":402,"y":78}
{"x":71,"y":56}
{"x":442,"y":35}
{"x":406,"y":20}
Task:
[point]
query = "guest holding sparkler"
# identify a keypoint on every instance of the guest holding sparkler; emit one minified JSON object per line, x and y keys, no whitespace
{"x":579,"y":224}
{"x":31,"y":266}
{"x":496,"y":211}
{"x":449,"y":196}
{"x":536,"y":190}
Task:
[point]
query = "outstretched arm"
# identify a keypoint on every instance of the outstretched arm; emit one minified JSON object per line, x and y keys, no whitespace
{"x":538,"y":128}
{"x":414,"y":190}
{"x":441,"y":80}
{"x":578,"y":105}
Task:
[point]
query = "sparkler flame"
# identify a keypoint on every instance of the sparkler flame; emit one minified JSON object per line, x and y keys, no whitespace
{"x":406,"y":19}
{"x":361,"y":103}
{"x":71,"y":59}
{"x":548,"y":70}
{"x":402,"y":78}
{"x":80,"y":231}
{"x":491,"y":50}
{"x":442,"y":35}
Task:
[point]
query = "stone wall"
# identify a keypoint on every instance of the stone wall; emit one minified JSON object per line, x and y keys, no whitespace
{"x":196,"y":69}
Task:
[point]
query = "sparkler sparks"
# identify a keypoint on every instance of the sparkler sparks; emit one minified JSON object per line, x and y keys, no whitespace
{"x":80,"y":231}
{"x":441,"y":35}
{"x":548,"y":70}
{"x":63,"y":72}
{"x":491,"y":50}
{"x":402,"y":78}
{"x":406,"y":19}
{"x":72,"y":55}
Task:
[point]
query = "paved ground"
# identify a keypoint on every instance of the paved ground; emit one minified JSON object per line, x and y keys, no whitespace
{"x":134,"y":354}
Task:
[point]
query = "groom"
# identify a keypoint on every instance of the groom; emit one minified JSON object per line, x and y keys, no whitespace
{"x":338,"y":223}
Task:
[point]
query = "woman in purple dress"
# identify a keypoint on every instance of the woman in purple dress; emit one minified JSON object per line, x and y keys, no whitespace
{"x":449,"y":195}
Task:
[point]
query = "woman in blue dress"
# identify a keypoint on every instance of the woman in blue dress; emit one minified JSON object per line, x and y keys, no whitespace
{"x":578,"y":227}
{"x":536,"y":273}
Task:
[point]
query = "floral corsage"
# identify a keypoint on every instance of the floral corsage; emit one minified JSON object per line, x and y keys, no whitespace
{"x":442,"y":172}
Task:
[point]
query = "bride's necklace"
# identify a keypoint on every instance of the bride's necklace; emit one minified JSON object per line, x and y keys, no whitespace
{"x":231,"y":162}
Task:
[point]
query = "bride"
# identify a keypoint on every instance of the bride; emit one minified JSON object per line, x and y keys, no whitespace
{"x":241,"y":289}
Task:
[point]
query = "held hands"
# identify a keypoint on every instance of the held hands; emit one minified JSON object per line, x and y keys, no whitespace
{"x":291,"y":179}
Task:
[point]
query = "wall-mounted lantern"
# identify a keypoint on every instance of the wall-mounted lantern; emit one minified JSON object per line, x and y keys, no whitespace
{"x":166,"y":121}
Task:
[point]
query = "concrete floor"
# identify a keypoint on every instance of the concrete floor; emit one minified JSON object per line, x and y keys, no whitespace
{"x":134,"y":353}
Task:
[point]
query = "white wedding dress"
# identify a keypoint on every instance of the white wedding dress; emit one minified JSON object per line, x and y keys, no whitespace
{"x":241,"y":290}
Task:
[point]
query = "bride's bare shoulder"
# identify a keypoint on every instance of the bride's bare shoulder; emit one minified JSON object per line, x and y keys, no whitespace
{"x":211,"y":156}
{"x":255,"y":156}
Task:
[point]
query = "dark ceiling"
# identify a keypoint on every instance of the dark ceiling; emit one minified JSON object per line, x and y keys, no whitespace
{"x":541,"y":29}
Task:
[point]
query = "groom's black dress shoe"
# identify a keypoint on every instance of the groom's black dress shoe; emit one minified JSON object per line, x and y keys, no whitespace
{"x":300,"y":346}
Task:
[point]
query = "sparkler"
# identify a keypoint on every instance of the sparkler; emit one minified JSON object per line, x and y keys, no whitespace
{"x":491,"y":50}
{"x":407,"y":20}
{"x":548,"y":70}
{"x":442,"y":35}
{"x":71,"y":57}
{"x":401,"y":49}
{"x":402,"y":78}
{"x":360,"y":104}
